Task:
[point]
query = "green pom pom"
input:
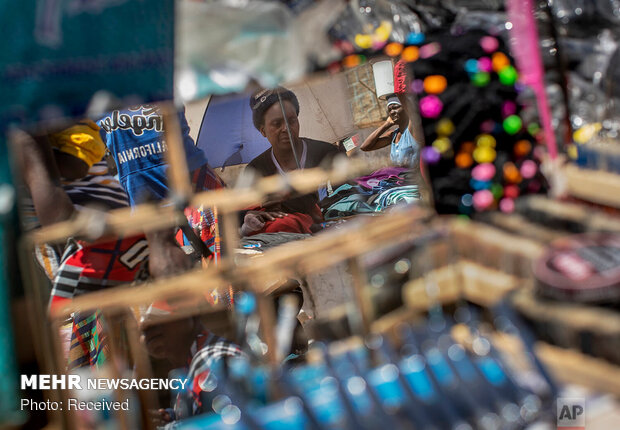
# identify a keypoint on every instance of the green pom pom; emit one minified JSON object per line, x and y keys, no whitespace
{"x":497,"y":190}
{"x":481,"y":79}
{"x":512,"y":124}
{"x":508,"y":75}
{"x":533,"y":129}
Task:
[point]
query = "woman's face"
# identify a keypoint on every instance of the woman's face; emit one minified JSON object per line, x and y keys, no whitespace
{"x":396,"y":112}
{"x":274,"y":126}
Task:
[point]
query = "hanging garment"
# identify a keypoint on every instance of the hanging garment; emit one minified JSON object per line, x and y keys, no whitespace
{"x":79,"y":267}
{"x":203,"y":220}
{"x":135,"y":138}
{"x":87,"y":268}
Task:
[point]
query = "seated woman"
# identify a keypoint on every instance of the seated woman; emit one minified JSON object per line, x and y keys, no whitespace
{"x":404,"y":149}
{"x":280,"y":125}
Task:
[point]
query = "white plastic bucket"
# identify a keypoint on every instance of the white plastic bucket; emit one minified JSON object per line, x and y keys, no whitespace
{"x":384,"y":78}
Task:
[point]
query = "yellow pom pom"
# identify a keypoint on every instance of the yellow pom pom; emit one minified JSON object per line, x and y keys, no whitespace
{"x":444,"y":127}
{"x":484,"y":154}
{"x":364,"y":41}
{"x":442,"y":144}
{"x":486,"y":140}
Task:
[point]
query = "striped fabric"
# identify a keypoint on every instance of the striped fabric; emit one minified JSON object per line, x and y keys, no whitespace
{"x":84,"y":269}
{"x":97,"y":187}
{"x":89,"y":343}
{"x":204,"y":220}
{"x":206,"y":350}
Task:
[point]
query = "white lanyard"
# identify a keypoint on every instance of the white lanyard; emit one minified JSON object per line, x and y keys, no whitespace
{"x":302,"y":162}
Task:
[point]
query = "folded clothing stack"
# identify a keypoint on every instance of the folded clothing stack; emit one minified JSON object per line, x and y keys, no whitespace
{"x":369,"y":194}
{"x":392,"y":196}
{"x":270,"y":240}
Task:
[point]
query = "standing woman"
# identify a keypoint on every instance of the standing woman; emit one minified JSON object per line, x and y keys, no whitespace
{"x":405,"y":150}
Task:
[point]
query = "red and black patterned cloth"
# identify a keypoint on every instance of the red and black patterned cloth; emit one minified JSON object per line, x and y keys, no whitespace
{"x":206,"y":350}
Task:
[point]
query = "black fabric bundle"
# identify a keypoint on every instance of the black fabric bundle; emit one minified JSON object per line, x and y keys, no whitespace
{"x":473,"y":103}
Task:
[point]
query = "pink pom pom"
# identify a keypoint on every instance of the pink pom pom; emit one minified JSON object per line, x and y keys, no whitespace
{"x":430,"y":106}
{"x":485,"y":64}
{"x":483,"y":199}
{"x":489,"y":44}
{"x":506,"y":205}
{"x":508,"y":108}
{"x":528,"y":169}
{"x":483,"y":172}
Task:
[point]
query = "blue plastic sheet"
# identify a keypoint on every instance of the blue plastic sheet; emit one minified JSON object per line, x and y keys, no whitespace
{"x":227,"y":134}
{"x":9,"y":379}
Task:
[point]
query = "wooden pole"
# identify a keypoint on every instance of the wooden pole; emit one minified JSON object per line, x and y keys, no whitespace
{"x":305,"y":256}
{"x":362,"y":301}
{"x":179,"y":185}
{"x":148,"y":217}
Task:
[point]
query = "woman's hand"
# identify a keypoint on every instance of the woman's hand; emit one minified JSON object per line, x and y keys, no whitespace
{"x":255,"y":220}
{"x":160,"y":417}
{"x":165,"y":256}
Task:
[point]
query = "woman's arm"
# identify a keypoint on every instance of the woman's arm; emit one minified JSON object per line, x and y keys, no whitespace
{"x":379,"y":138}
{"x":40,"y":174}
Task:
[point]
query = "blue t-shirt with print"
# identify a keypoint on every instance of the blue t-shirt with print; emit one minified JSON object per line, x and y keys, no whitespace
{"x":135,"y":138}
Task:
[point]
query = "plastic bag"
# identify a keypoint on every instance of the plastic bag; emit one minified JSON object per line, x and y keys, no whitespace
{"x":224,"y":44}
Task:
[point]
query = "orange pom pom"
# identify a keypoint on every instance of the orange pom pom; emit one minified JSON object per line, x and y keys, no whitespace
{"x":435,"y":84}
{"x":499,"y":60}
{"x":463,"y":160}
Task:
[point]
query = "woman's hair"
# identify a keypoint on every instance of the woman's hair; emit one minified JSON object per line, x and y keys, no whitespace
{"x":263,"y":99}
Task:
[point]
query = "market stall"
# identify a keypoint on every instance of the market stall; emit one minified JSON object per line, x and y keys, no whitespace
{"x":310,"y":214}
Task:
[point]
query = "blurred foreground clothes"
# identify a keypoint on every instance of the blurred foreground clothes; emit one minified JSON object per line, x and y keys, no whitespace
{"x":192,"y":353}
{"x":78,"y":267}
{"x":206,"y":350}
